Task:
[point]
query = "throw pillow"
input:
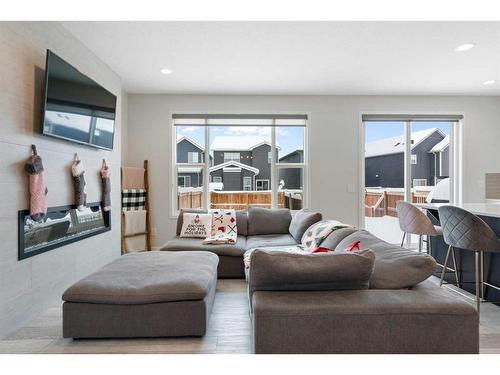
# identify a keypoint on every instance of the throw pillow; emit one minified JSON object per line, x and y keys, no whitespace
{"x":320,"y":250}
{"x":331,"y":242}
{"x":196,"y":225}
{"x":302,"y":220}
{"x":315,"y":235}
{"x":272,"y":270}
{"x":224,"y":228}
{"x":354,"y":246}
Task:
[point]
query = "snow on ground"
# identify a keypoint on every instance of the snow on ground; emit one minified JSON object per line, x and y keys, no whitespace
{"x":387,"y":228}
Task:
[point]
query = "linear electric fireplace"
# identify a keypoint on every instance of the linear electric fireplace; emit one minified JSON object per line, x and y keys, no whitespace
{"x":62,"y":225}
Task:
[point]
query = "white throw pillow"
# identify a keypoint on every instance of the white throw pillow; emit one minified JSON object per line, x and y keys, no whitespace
{"x":196,"y":225}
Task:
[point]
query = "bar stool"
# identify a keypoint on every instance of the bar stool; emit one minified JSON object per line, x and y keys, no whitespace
{"x":413,"y":221}
{"x":466,"y":231}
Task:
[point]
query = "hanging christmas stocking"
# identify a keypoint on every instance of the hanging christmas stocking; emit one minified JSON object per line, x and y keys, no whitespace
{"x":78,"y":172}
{"x":38,"y":190}
{"x":105,"y":173}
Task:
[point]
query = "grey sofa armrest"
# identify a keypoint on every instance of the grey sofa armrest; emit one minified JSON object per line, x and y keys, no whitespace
{"x":279,"y":271}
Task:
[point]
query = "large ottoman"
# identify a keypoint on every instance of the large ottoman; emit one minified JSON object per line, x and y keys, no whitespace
{"x":150,"y":294}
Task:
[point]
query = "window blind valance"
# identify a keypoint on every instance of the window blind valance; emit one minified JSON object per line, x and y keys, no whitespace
{"x":240,"y":120}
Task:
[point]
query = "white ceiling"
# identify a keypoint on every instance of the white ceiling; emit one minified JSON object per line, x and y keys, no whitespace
{"x":298,"y":57}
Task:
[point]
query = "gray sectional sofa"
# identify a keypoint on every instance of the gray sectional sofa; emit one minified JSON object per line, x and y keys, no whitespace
{"x":299,"y":305}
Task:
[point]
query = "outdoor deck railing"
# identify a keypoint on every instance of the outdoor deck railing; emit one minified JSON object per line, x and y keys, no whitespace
{"x":383,"y":202}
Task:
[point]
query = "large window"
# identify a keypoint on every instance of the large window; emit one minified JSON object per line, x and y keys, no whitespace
{"x":239,"y":161}
{"x":411,"y":159}
{"x":231,"y":156}
{"x":247,"y":183}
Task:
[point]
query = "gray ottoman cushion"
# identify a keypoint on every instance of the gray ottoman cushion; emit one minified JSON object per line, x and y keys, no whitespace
{"x":395,"y":267}
{"x":302,"y":220}
{"x":148,"y":277}
{"x":150,"y":294}
{"x":268,"y":221}
{"x":270,"y":240}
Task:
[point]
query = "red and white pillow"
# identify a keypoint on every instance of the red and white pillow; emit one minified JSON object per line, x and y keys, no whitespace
{"x":224,"y":229}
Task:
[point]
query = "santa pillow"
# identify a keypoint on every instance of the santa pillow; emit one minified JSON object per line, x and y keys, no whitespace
{"x":196,"y":225}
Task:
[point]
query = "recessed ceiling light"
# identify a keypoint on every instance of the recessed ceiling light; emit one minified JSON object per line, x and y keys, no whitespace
{"x":489,"y":82}
{"x":166,"y":71}
{"x":464,"y":47}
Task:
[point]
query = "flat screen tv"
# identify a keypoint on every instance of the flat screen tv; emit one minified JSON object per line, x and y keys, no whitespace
{"x":76,"y":108}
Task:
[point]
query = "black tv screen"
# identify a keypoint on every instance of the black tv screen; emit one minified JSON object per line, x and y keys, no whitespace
{"x":76,"y":107}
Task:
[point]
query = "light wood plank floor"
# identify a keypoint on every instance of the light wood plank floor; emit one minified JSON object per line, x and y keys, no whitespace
{"x":228,"y":331}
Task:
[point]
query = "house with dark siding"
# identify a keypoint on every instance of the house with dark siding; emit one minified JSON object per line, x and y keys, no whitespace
{"x":441,"y":155}
{"x":242,"y":162}
{"x":291,"y":178}
{"x":384,"y":160}
{"x":189,"y":151}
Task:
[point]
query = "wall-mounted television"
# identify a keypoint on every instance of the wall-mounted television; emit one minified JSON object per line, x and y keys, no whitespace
{"x":76,"y":108}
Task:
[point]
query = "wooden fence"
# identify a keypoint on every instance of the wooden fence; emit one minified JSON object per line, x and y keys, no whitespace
{"x":239,"y":200}
{"x":190,"y":199}
{"x":383,"y":203}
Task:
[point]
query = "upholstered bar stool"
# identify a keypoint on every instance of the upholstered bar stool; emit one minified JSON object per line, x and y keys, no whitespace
{"x":466,"y":231}
{"x":413,"y":221}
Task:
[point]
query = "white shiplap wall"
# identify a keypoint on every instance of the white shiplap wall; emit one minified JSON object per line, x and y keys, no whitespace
{"x":28,"y":286}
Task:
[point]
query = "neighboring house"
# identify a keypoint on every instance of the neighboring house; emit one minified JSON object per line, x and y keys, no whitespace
{"x":384,"y":160}
{"x":239,"y":166}
{"x":441,"y":155}
{"x":189,"y":151}
{"x":291,"y":178}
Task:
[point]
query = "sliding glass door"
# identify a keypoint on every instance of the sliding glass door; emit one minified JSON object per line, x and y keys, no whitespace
{"x":405,"y":159}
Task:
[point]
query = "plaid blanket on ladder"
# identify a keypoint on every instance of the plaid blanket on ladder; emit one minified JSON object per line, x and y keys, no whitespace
{"x":224,"y":229}
{"x":133,"y":199}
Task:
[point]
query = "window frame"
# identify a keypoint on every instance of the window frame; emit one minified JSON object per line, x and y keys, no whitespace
{"x":191,"y":153}
{"x":246,"y":178}
{"x":204,"y":122}
{"x":257,"y":180}
{"x":185,"y":178}
{"x":457,"y":123}
{"x":231,"y":159}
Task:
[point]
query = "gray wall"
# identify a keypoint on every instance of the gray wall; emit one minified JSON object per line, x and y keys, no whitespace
{"x":333,"y":137}
{"x":30,"y":285}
